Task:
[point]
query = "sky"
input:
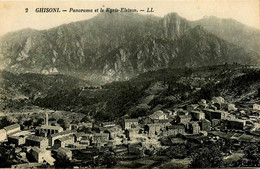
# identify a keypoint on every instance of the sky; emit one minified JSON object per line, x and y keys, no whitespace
{"x":13,"y":16}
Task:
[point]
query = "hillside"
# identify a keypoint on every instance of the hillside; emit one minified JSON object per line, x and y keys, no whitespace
{"x":232,"y":31}
{"x":112,"y":47}
{"x":153,"y":90}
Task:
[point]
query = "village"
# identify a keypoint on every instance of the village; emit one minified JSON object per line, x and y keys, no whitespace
{"x":90,"y":144}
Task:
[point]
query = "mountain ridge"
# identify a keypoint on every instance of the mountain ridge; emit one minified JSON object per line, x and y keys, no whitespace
{"x":136,"y":44}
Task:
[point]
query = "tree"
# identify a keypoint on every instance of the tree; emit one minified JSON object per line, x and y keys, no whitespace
{"x":62,"y":123}
{"x":252,"y":153}
{"x":28,"y":123}
{"x":108,"y":159}
{"x":207,"y":157}
{"x":5,"y":122}
{"x":62,"y":162}
{"x":38,"y":122}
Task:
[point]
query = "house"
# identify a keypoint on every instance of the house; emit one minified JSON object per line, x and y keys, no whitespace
{"x":176,"y":129}
{"x":114,"y":132}
{"x":87,"y":125}
{"x":235,"y":124}
{"x":154,"y":129}
{"x":194,"y":127}
{"x":197,"y":115}
{"x":60,"y":134}
{"x":229,"y":107}
{"x":130,"y":123}
{"x":215,"y":122}
{"x":52,"y":122}
{"x":108,"y":124}
{"x":12,"y":128}
{"x":64,"y":152}
{"x":191,"y":107}
{"x":205,"y":125}
{"x":64,"y":141}
{"x":16,"y":140}
{"x":146,"y":120}
{"x":165,"y":122}
{"x":3,"y":135}
{"x":183,"y":119}
{"x":215,"y":114}
{"x":100,"y":138}
{"x":45,"y":130}
{"x":79,"y":135}
{"x":36,"y":141}
{"x":85,"y":140}
{"x":131,"y":133}
{"x":159,"y":115}
{"x":42,"y":155}
{"x":256,"y":107}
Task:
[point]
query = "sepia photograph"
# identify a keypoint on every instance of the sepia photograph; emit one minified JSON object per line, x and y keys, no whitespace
{"x":129,"y":84}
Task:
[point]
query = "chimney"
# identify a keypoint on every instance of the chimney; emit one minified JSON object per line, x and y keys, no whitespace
{"x":47,"y":119}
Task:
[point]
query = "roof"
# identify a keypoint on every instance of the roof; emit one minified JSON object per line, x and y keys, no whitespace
{"x":247,"y":138}
{"x":51,"y":127}
{"x":157,"y":114}
{"x":197,"y":112}
{"x":11,"y":127}
{"x":63,"y":133}
{"x":101,"y":135}
{"x":131,"y":120}
{"x":176,"y":127}
{"x":183,"y":116}
{"x":80,"y":134}
{"x":36,"y":149}
{"x":66,"y":138}
{"x":164,"y":120}
{"x":63,"y":150}
{"x":16,"y":137}
{"x":107,"y":123}
{"x":35,"y":138}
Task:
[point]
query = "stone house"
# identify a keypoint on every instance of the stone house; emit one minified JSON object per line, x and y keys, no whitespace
{"x":42,"y":155}
{"x":205,"y":125}
{"x":64,"y":152}
{"x":235,"y":124}
{"x":12,"y":128}
{"x":45,"y":130}
{"x":158,"y":115}
{"x":183,"y":119}
{"x":194,"y":127}
{"x":197,"y":115}
{"x":16,"y":140}
{"x":176,"y":129}
{"x":56,"y":136}
{"x":64,"y":141}
{"x":130,"y":123}
{"x":40,"y":142}
{"x":100,"y":138}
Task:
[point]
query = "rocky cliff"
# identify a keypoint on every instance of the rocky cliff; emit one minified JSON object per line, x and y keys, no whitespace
{"x":119,"y":46}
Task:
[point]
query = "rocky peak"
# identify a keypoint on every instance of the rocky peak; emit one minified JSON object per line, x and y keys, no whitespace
{"x":174,"y":26}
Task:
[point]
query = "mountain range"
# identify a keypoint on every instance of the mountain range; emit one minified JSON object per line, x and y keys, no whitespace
{"x":120,"y":46}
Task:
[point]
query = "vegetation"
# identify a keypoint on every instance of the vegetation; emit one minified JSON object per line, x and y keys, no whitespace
{"x":169,"y":88}
{"x":208,"y":157}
